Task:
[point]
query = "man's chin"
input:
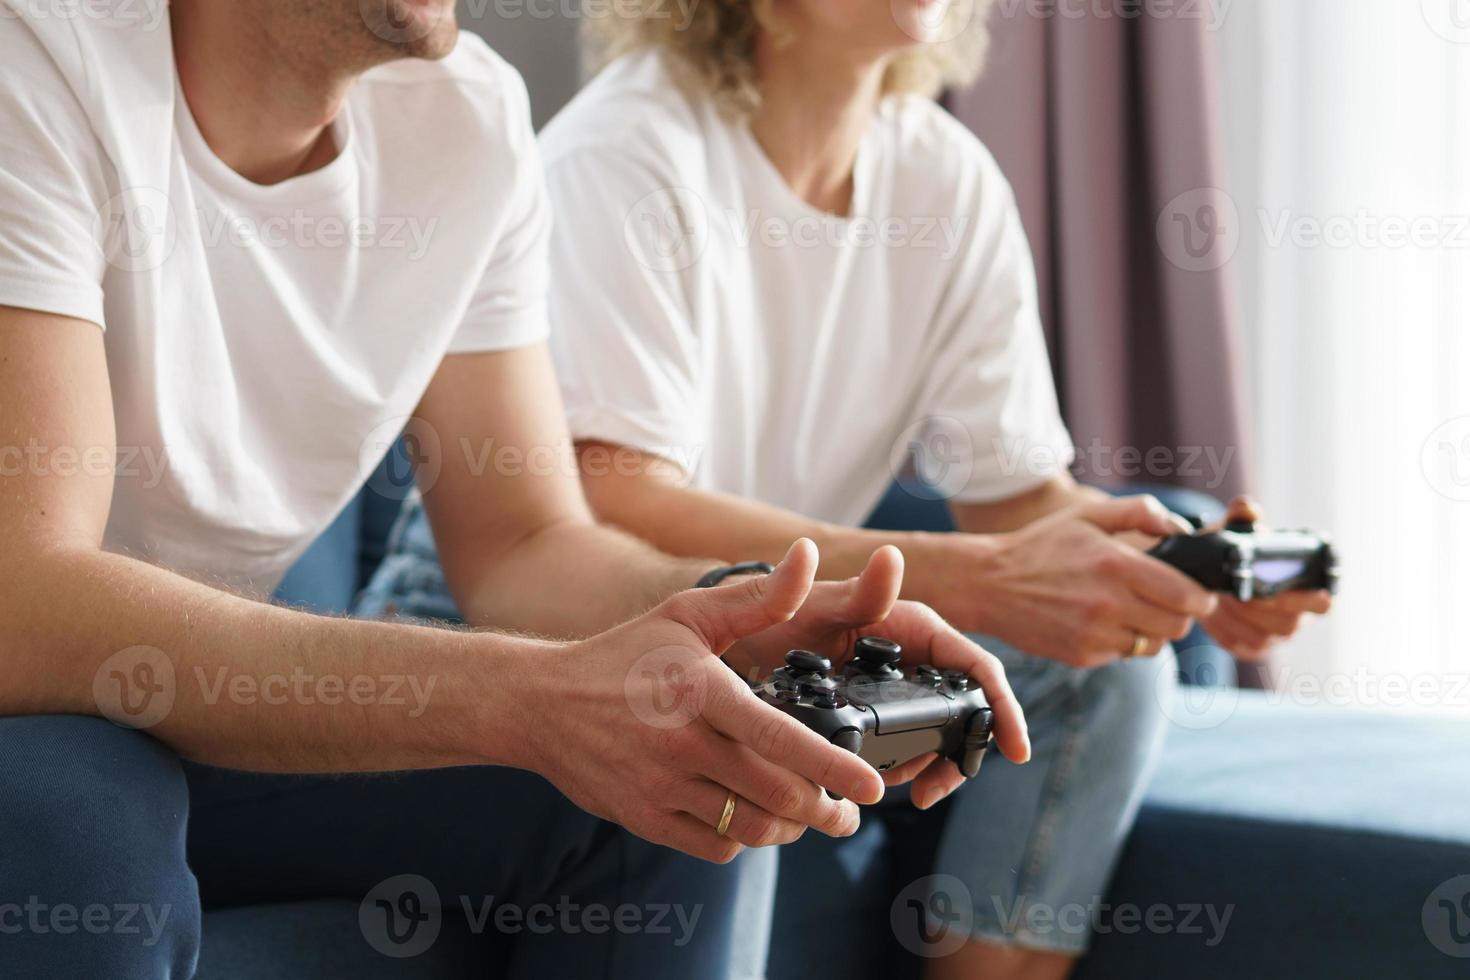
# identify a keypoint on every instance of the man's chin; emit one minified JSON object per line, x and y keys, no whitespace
{"x":438,"y":44}
{"x":415,"y":28}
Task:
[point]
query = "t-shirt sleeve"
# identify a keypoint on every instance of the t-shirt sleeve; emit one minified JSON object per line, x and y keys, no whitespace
{"x":509,"y":307}
{"x":994,"y":387}
{"x":623,"y":334}
{"x":52,"y":186}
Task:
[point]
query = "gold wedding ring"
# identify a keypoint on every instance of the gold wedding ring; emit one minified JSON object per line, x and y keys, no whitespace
{"x":1140,"y":644}
{"x":725,"y":817}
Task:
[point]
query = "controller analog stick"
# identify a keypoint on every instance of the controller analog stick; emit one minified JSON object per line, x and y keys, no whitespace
{"x":874,"y":651}
{"x":806,"y":662}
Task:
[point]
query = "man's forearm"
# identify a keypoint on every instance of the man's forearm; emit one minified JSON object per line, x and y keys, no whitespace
{"x":234,"y":682}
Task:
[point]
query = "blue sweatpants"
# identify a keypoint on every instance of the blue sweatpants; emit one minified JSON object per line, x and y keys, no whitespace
{"x":111,"y":847}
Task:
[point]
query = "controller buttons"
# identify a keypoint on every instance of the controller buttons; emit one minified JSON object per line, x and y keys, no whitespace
{"x":927,"y":675}
{"x":977,"y":740}
{"x":806,"y":662}
{"x":957,"y":680}
{"x":815,"y":686}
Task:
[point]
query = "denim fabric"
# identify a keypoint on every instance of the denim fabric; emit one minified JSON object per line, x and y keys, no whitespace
{"x":408,"y":584}
{"x":1027,"y":851}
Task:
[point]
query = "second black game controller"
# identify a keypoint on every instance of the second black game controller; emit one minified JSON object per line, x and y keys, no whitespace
{"x":1252,"y":563}
{"x":879,"y":712}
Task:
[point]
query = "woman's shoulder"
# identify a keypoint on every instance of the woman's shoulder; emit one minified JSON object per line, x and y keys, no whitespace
{"x":930,"y":148}
{"x":634,"y":109}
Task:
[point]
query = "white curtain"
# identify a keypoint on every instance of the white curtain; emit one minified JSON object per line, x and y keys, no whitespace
{"x":1348,"y":126}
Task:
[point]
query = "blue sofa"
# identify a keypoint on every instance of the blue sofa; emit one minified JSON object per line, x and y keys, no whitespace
{"x":1337,"y":841}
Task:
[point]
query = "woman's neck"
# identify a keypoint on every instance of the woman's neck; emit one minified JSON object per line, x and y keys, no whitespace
{"x":814,"y":110}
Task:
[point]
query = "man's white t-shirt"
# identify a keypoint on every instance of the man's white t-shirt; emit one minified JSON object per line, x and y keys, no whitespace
{"x":702,"y":311}
{"x":265,"y":343}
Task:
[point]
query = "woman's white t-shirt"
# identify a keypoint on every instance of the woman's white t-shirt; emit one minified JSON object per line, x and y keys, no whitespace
{"x":703,"y":312}
{"x":265,"y":344}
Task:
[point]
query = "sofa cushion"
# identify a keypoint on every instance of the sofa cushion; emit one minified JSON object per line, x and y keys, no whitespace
{"x":1332,"y":835}
{"x":1328,"y":843}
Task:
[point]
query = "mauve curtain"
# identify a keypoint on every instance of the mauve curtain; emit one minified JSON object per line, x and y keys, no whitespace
{"x":1104,"y":124}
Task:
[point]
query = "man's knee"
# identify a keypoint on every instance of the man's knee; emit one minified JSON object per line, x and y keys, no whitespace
{"x":93,"y":880}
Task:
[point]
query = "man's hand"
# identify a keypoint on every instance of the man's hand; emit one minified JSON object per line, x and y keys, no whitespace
{"x":1250,"y":630}
{"x":836,"y":614}
{"x":1074,"y":586}
{"x":645,"y":726}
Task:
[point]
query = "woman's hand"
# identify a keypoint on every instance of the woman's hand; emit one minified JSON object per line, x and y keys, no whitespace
{"x":1074,"y":586}
{"x":1250,"y":630}
{"x":645,"y":726}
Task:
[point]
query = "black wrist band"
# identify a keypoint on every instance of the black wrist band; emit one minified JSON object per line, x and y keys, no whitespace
{"x":713,"y":578}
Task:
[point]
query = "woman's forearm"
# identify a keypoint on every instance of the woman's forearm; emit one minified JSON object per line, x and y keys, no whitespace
{"x":685,"y":521}
{"x":602,"y":577}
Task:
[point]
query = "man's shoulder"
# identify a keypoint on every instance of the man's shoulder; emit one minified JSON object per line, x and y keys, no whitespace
{"x":107,"y":55}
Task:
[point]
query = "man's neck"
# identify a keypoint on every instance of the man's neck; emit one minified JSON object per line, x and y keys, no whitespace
{"x":815,"y":108}
{"x":265,"y":111}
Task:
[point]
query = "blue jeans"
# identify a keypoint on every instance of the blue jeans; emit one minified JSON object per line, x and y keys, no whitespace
{"x":1022,"y":845}
{"x":1027,"y":851}
{"x":110,"y":847}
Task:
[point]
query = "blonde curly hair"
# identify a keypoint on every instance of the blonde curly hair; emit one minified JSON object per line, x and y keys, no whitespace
{"x":715,"y":47}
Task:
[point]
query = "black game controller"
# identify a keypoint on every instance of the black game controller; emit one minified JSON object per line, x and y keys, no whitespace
{"x":1252,"y":563}
{"x":880,"y":713}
